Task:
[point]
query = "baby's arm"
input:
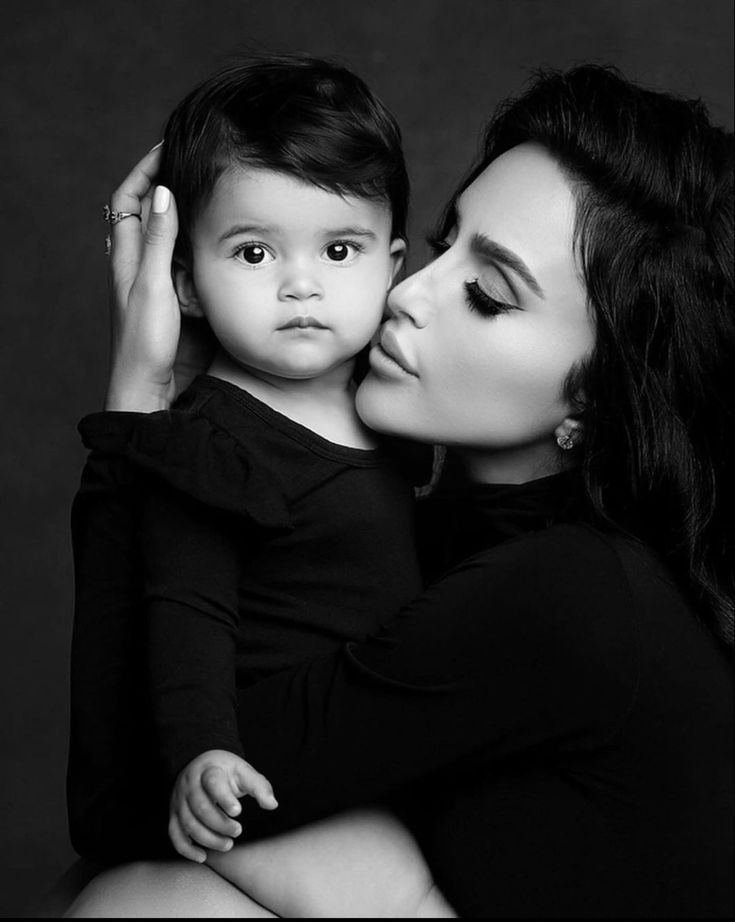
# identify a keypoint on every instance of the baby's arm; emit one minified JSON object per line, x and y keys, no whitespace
{"x":362,"y":863}
{"x":191,"y":562}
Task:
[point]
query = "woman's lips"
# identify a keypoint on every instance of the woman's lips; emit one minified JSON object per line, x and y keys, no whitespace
{"x":389,"y":350}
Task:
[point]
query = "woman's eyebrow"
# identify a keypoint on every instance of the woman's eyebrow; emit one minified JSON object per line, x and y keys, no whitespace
{"x":493,"y":251}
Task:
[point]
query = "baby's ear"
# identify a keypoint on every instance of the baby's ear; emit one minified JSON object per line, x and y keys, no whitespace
{"x":397,"y":255}
{"x":186,"y":290}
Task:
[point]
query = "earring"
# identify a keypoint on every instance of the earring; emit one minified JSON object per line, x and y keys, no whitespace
{"x":565,"y":442}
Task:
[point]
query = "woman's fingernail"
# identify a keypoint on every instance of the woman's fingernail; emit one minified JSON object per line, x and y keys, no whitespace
{"x":161,"y":200}
{"x":155,"y":147}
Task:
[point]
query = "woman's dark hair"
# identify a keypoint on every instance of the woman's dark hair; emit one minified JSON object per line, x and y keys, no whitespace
{"x":653,"y":180}
{"x":292,"y":113}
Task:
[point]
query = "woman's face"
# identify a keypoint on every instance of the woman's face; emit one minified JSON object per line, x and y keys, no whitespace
{"x":480,"y":342}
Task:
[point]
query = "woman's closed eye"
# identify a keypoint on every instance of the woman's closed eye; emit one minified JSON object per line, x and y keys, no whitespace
{"x":483,"y":303}
{"x":437,"y":245}
{"x":477,"y":298}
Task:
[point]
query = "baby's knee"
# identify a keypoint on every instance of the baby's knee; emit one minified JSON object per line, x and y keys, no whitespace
{"x":433,"y":905}
{"x":102,"y":896}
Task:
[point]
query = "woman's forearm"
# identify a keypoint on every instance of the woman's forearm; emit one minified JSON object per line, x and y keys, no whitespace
{"x":133,"y":392}
{"x":450,"y":685}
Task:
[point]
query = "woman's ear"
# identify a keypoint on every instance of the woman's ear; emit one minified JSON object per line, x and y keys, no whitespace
{"x":397,"y":255}
{"x":186,"y":291}
{"x":569,"y":434}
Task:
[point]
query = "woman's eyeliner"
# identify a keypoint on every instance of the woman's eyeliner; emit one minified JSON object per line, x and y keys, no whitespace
{"x":481,"y":302}
{"x":477,"y":299}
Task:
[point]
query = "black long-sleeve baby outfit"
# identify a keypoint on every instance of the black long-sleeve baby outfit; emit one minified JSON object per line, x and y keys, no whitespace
{"x":550,"y":716}
{"x":261,"y":545}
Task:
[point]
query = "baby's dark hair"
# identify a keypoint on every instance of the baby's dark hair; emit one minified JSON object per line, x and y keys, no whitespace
{"x":292,"y":113}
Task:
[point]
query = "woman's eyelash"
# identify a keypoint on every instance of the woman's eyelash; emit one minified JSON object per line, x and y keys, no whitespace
{"x":437,"y":245}
{"x":477,"y":299}
{"x":481,"y":302}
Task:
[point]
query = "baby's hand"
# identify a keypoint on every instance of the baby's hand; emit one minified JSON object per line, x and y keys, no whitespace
{"x":205,"y":800}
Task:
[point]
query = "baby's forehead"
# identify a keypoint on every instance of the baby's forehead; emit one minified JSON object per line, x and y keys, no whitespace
{"x":274,"y":201}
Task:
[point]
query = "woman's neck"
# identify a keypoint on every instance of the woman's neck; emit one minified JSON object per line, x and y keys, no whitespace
{"x":515,"y":465}
{"x":324,"y":404}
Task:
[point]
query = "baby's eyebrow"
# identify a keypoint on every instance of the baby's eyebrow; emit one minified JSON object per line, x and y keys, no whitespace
{"x":257,"y":229}
{"x":266,"y":229}
{"x":350,"y":232}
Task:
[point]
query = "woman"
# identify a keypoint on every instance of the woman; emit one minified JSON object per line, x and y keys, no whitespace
{"x":554,"y":714}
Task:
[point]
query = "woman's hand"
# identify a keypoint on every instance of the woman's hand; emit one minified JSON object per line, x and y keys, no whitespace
{"x":145,"y":316}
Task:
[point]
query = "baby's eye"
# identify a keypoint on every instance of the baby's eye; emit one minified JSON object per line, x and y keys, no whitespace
{"x":254,"y":254}
{"x":341,"y":251}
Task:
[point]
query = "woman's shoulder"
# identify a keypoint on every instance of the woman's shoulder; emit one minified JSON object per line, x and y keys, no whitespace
{"x":554,"y":604}
{"x":585,"y":586}
{"x":569,"y":583}
{"x":576,"y":549}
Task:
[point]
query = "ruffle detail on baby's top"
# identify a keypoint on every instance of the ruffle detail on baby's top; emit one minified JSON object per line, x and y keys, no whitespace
{"x":193,"y":455}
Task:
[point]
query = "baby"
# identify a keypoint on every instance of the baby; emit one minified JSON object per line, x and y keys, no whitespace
{"x":275,"y":525}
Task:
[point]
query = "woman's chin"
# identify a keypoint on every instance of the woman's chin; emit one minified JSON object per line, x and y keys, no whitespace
{"x":377,"y":407}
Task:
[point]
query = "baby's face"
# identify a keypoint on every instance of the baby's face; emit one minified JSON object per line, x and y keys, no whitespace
{"x":291,"y":278}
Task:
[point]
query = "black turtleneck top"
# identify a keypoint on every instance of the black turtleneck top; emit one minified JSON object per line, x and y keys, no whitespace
{"x":549,"y":716}
{"x":550,"y":713}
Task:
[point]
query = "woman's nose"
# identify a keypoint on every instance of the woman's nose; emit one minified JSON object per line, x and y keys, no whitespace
{"x":411,"y":298}
{"x":300,"y":283}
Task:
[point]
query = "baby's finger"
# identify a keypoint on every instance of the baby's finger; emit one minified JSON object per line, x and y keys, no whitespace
{"x":198,"y":832}
{"x":218,"y":786}
{"x":182,"y":844}
{"x":250,"y":781}
{"x":203,"y":806}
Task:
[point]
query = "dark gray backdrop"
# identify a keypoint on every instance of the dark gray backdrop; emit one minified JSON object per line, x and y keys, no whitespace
{"x":86,"y":87}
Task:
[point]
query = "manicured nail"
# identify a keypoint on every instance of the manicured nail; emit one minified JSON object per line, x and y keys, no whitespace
{"x":161,"y":200}
{"x":155,"y":147}
{"x":272,"y":801}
